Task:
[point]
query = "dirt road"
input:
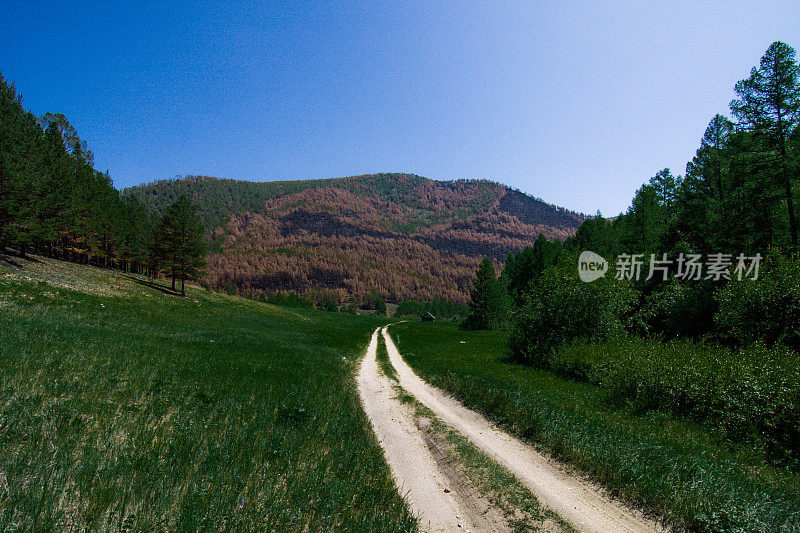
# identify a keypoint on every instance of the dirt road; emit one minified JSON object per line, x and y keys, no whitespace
{"x":426,"y":489}
{"x":579,"y":503}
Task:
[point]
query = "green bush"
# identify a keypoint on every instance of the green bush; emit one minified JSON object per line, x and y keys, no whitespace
{"x":560,"y":308}
{"x":349,"y":309}
{"x":751,"y":395}
{"x":380,"y":307}
{"x":680,"y":310}
{"x":691,"y":478}
{"x":766,"y":309}
{"x":328,"y":305}
{"x":375,"y":301}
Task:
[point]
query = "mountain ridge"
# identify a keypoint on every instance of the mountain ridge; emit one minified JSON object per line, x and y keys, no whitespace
{"x":402,"y":235}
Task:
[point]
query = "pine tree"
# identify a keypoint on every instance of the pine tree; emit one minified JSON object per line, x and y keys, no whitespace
{"x":769,"y":106}
{"x":706,"y":194}
{"x":643,"y":225}
{"x":526,"y":266}
{"x":9,"y":109}
{"x":380,"y":307}
{"x":180,"y":242}
{"x":488,"y":308}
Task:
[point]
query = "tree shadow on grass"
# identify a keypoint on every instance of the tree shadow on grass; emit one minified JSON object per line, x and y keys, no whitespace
{"x":11,"y":257}
{"x":6,"y":260}
{"x":153,"y":285}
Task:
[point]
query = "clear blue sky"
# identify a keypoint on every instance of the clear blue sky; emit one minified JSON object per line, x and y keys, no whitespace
{"x":578,"y":103}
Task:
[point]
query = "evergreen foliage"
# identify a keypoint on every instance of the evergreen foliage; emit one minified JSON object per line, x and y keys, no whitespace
{"x":526,"y":266}
{"x":180,"y":242}
{"x":375,"y":301}
{"x":768,"y":108}
{"x":738,"y":196}
{"x":488,"y":305}
{"x":54,"y":202}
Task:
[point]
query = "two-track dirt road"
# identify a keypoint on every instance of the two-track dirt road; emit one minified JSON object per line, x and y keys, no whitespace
{"x":583,"y":505}
{"x":426,"y":489}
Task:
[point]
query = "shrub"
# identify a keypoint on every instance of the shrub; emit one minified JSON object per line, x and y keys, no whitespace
{"x":328,"y":305}
{"x":680,"y":309}
{"x":380,"y":307}
{"x":560,"y":308}
{"x":766,"y":309}
{"x":751,"y":395}
{"x":375,"y":301}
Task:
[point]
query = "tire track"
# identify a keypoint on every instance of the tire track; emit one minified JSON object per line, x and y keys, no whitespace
{"x":583,"y":505}
{"x":427,"y":490}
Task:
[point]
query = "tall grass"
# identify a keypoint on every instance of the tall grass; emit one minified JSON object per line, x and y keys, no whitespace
{"x":676,"y":470}
{"x":142,"y":411}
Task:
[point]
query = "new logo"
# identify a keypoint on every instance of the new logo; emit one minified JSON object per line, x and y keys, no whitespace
{"x":591,"y":266}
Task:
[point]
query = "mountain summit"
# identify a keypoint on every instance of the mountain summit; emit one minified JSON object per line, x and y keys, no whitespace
{"x":404,"y":236}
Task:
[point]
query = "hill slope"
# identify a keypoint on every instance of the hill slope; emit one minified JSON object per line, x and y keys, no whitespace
{"x":403,"y":235}
{"x":125,"y":408}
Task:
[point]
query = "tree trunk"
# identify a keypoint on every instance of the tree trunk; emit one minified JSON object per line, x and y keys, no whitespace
{"x":790,"y":208}
{"x":183,"y":289}
{"x":787,"y":183}
{"x":173,"y":279}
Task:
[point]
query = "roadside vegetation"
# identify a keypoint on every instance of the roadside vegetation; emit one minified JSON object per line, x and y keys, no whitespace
{"x":688,"y":344}
{"x":689,"y":475}
{"x":710,"y":255}
{"x":125,"y":407}
{"x":748,"y":396}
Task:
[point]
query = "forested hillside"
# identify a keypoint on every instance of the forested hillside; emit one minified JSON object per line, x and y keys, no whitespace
{"x":400,"y":236}
{"x":693,"y":317}
{"x":707,"y":261}
{"x":55,"y":203}
{"x":404,"y":236}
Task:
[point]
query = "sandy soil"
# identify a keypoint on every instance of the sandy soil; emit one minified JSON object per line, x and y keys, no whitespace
{"x":581,"y":504}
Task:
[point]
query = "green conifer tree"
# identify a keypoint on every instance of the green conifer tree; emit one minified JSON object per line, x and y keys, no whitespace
{"x":181,"y":248}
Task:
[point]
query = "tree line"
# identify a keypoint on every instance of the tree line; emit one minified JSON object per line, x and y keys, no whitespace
{"x":705,"y":337}
{"x":55,"y":203}
{"x":738,"y":195}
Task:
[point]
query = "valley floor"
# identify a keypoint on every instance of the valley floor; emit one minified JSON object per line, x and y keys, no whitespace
{"x":681,"y":474}
{"x":126,"y":407}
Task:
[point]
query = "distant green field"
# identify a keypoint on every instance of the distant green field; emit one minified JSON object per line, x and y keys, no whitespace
{"x":693,"y":477}
{"x":125,"y":408}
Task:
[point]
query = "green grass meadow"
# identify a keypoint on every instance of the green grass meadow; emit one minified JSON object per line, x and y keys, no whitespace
{"x":123,"y":408}
{"x":688,"y":475}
